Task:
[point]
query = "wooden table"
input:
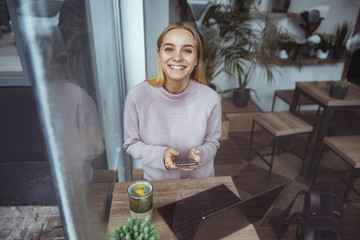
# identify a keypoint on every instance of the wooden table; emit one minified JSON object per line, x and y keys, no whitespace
{"x":168,"y":191}
{"x":319,"y":93}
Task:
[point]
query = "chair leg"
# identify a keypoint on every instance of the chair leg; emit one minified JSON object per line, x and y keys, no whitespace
{"x":306,"y":150}
{"x":273,"y":103}
{"x":272,"y":158}
{"x":251,"y":139}
{"x":349,"y":183}
{"x":317,"y":167}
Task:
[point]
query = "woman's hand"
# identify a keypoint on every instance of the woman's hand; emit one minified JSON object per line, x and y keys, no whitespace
{"x":169,"y":155}
{"x":194,"y":154}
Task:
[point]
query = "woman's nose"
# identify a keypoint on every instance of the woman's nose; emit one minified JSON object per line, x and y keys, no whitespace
{"x":177,"y":55}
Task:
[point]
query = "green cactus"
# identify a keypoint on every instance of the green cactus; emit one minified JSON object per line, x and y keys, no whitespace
{"x":135,"y":229}
{"x":341,"y":83}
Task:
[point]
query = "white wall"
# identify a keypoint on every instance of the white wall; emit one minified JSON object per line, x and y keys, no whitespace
{"x":133,"y":30}
{"x":334,"y":12}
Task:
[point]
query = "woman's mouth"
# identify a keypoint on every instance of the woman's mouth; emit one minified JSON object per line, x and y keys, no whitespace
{"x":176,"y":67}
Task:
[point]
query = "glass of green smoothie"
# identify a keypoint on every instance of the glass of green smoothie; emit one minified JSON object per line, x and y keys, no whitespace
{"x":140,"y":198}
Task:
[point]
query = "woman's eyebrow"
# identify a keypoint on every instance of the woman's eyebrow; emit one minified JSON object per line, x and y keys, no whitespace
{"x":185,"y":45}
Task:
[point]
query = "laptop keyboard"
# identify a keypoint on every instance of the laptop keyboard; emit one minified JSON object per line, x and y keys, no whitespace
{"x":188,"y":212}
{"x":185,"y":226}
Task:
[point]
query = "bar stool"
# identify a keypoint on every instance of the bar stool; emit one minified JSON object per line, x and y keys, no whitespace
{"x":348,"y":150}
{"x":280,"y":125}
{"x":287,"y":96}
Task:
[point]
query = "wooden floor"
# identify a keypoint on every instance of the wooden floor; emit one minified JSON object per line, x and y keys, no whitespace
{"x":250,"y":177}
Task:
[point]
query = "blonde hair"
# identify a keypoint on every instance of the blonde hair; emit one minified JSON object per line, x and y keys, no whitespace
{"x":198,"y":73}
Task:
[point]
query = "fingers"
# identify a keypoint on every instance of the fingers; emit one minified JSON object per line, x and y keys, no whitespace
{"x":195,"y":155}
{"x":169,"y":155}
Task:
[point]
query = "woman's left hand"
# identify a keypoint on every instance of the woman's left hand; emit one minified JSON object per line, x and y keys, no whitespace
{"x":194,"y":154}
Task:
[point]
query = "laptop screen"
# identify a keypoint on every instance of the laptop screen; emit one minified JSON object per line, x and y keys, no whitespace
{"x":233,"y":218}
{"x":215,"y":212}
{"x":184,"y":216}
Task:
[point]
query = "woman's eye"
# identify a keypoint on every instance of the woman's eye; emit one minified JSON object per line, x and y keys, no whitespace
{"x":168,"y":49}
{"x":187,"y":50}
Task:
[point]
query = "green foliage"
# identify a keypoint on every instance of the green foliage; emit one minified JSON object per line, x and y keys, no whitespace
{"x":212,"y":55}
{"x":341,"y":83}
{"x":135,"y":229}
{"x":342,"y":34}
{"x":327,"y":42}
{"x":284,"y":41}
{"x":247,"y":38}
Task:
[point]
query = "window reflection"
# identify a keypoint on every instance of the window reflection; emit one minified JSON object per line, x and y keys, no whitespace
{"x":57,"y":54}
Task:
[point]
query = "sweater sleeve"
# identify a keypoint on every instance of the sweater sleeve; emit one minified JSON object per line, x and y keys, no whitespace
{"x":211,"y":142}
{"x":150,"y":155}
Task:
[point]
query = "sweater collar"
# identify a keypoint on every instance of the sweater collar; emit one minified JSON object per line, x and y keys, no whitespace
{"x":185,"y":93}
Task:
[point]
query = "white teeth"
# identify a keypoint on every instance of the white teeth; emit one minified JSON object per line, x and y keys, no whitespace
{"x":177,"y":67}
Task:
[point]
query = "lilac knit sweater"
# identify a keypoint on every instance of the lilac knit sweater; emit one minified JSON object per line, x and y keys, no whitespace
{"x":155,"y":119}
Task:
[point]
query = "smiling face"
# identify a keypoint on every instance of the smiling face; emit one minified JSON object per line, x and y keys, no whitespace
{"x":177,"y":55}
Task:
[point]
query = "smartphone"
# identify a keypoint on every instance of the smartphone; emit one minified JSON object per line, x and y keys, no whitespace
{"x":185,"y":162}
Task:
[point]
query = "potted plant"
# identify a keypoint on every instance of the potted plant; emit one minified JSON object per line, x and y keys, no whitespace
{"x":310,"y":21}
{"x":338,"y":89}
{"x":134,"y":229}
{"x":342,"y":34}
{"x":244,"y":47}
{"x":286,"y":46}
{"x":212,"y":55}
{"x":326,"y":44}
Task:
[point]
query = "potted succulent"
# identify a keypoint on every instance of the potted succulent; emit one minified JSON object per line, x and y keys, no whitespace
{"x":338,"y":89}
{"x":244,"y":47}
{"x":134,"y":229}
{"x":325,"y":46}
{"x":342,"y":34}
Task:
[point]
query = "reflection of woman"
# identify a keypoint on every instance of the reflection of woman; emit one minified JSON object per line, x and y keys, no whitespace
{"x":73,"y":112}
{"x":174,"y":114}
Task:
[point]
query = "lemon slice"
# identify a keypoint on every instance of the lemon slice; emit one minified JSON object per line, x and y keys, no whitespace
{"x":140,"y":192}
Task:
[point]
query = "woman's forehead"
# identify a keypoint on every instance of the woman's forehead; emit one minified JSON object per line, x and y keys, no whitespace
{"x":181,"y":35}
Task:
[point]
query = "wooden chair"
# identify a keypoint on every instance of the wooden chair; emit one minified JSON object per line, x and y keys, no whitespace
{"x":287,"y":97}
{"x":280,"y":125}
{"x":137,"y":174}
{"x":348,"y":150}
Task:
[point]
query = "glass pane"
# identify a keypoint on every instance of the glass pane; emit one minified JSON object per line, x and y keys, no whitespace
{"x":74,"y":106}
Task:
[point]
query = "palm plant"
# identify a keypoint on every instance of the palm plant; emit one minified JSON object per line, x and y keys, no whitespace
{"x":247,"y":38}
{"x":212,"y":55}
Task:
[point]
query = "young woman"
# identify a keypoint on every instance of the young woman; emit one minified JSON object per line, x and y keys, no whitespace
{"x":174,"y":115}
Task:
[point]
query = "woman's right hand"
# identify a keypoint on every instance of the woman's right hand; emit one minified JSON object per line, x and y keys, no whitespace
{"x":169,"y":155}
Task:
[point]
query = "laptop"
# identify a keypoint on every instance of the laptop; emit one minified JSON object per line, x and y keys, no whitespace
{"x":216,"y":213}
